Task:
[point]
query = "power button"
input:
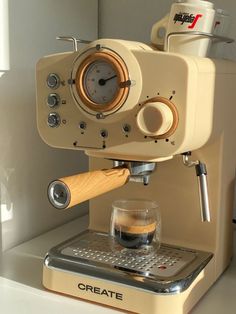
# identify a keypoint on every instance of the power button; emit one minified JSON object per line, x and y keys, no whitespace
{"x":53,"y":81}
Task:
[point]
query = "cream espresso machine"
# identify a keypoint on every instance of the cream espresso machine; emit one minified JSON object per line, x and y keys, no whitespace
{"x":154,"y":124}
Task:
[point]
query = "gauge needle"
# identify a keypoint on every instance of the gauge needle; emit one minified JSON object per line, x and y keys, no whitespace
{"x":102,"y":81}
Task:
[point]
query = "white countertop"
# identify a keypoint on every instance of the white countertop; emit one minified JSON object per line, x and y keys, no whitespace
{"x":21,"y":291}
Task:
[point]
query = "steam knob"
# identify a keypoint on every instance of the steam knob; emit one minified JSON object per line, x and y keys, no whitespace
{"x":53,"y":81}
{"x":53,"y":100}
{"x":157,"y":118}
{"x":53,"y":120}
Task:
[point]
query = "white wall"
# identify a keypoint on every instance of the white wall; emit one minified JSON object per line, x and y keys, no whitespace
{"x":130,"y":19}
{"x":27,"y":164}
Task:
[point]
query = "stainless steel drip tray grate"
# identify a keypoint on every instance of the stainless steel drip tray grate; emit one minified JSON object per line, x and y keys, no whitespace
{"x":167,"y":262}
{"x":170,"y":270}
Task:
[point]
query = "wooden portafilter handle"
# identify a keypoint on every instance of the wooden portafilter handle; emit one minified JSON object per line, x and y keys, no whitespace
{"x":69,"y":191}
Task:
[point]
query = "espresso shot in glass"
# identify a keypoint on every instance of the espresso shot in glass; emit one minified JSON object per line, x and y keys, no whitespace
{"x":135,"y":227}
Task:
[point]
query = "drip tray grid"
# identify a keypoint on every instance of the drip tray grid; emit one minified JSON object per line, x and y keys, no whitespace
{"x":170,"y":270}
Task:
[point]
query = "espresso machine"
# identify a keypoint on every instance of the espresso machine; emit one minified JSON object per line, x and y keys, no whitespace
{"x":155,"y":125}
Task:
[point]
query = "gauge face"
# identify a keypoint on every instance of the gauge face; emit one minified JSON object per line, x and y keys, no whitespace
{"x":100,"y":82}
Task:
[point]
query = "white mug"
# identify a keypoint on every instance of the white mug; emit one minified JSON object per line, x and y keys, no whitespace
{"x":186,"y":16}
{"x":221,"y":28}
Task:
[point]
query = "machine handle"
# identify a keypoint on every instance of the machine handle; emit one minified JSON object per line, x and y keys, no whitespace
{"x":69,"y":191}
{"x":201,"y":173}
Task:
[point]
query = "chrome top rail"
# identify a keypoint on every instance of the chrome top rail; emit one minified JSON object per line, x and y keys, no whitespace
{"x":74,"y":40}
{"x":209,"y":35}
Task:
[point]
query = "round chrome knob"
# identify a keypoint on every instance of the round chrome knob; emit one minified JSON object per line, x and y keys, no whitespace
{"x":157,"y":118}
{"x":59,"y":194}
{"x":53,"y":120}
{"x":53,"y":81}
{"x":53,"y":100}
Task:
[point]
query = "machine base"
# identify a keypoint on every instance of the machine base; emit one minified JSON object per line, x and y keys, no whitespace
{"x":172,"y":281}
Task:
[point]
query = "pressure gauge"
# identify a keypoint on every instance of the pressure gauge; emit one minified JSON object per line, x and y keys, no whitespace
{"x":102,"y":82}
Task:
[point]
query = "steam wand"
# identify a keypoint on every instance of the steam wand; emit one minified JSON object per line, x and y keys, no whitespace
{"x":201,"y":173}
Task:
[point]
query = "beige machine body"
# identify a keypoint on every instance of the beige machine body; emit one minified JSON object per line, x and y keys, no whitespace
{"x":192,"y":102}
{"x":177,"y":82}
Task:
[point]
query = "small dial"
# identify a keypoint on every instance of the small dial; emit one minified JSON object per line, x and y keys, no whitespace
{"x":53,"y":120}
{"x":53,"y":100}
{"x":101,"y":82}
{"x":53,"y":81}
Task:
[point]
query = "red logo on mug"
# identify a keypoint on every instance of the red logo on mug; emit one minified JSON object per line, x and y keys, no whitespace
{"x":187,"y":18}
{"x":195,"y":21}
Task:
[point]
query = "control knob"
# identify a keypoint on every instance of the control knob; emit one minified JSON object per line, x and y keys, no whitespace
{"x":157,"y":118}
{"x":53,"y":100}
{"x":54,"y":120}
{"x":53,"y":81}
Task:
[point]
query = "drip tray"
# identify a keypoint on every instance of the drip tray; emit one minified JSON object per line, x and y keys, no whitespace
{"x":170,"y":270}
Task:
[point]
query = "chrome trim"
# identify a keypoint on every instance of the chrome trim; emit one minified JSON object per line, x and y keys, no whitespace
{"x":62,"y":200}
{"x":74,"y":40}
{"x":57,"y":81}
{"x":179,"y":282}
{"x":204,"y":199}
{"x":56,"y":120}
{"x":209,"y":35}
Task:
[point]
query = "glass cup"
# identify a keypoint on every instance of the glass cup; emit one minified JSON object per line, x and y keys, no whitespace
{"x":135,"y":227}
